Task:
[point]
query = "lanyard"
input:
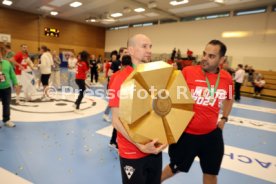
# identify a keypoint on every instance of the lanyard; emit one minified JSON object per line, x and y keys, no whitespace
{"x":212,"y":90}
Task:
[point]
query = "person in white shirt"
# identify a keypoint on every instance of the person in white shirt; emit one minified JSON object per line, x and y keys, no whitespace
{"x":45,"y":69}
{"x":239,"y":77}
{"x":72,"y":61}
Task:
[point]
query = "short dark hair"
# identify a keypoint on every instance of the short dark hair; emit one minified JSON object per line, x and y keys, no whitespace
{"x":114,"y":52}
{"x":240,"y":65}
{"x":126,"y":60}
{"x":222,"y":46}
{"x":44,"y":48}
{"x":84,"y":55}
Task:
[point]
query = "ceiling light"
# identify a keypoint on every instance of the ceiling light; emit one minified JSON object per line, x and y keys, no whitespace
{"x":54,"y":13}
{"x":178,"y":2}
{"x":7,"y":2}
{"x":92,"y":19}
{"x":139,"y":10}
{"x":219,"y":1}
{"x":75,"y":4}
{"x":236,"y":34}
{"x":116,"y":15}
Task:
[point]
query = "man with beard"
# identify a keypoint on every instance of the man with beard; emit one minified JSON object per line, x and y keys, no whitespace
{"x":211,"y":88}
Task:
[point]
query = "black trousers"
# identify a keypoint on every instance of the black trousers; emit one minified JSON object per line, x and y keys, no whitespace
{"x":114,"y":136}
{"x":94,"y":74}
{"x":81,"y":84}
{"x":5,"y":95}
{"x":238,"y":91}
{"x":258,"y":89}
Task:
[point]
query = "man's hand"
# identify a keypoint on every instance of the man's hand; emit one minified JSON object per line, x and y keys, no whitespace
{"x":152,"y":147}
{"x":221,"y":123}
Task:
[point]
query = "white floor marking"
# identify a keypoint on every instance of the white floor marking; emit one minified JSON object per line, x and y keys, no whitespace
{"x":251,"y":123}
{"x":10,"y":178}
{"x":59,"y":110}
{"x":254,"y":108}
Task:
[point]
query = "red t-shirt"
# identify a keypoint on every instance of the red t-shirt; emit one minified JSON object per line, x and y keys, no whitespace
{"x":126,"y":148}
{"x":18,"y":57}
{"x":107,"y":66}
{"x":82,"y":68}
{"x":206,"y":110}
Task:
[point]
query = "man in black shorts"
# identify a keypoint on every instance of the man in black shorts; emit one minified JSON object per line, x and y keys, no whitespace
{"x":211,"y":89}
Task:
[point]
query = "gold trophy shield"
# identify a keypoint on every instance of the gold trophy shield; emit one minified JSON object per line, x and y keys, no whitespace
{"x":155,"y":103}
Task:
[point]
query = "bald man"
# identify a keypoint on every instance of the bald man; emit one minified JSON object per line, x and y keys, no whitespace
{"x":139,"y":163}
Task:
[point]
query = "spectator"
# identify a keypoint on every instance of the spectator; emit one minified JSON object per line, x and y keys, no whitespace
{"x":239,"y":77}
{"x":258,"y":84}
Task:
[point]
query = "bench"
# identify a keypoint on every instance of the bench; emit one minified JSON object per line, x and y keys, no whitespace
{"x":269,"y":88}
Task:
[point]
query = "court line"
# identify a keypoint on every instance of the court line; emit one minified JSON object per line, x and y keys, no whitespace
{"x":254,"y":108}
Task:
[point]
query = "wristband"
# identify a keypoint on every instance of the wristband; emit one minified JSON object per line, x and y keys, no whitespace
{"x":224,"y":118}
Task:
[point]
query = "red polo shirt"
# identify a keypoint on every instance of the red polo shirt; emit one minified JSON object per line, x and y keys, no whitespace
{"x":206,"y":110}
{"x":126,"y":148}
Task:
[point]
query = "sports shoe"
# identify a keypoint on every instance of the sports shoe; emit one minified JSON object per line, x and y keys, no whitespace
{"x":106,"y":118}
{"x":9,"y":124}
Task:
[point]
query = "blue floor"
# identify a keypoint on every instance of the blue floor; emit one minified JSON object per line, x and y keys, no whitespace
{"x":71,"y":152}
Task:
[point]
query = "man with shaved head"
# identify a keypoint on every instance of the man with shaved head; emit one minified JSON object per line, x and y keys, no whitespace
{"x":139,"y":163}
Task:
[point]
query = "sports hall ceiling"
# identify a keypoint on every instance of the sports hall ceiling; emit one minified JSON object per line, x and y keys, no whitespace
{"x":155,"y":10}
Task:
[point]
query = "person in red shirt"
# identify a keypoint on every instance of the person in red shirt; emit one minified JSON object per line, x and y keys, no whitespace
{"x":211,"y":88}
{"x":139,"y":163}
{"x":82,"y":69}
{"x":17,"y":60}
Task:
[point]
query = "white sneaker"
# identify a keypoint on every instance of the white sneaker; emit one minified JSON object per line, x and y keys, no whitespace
{"x":9,"y":124}
{"x":78,"y":111}
{"x":106,"y":118}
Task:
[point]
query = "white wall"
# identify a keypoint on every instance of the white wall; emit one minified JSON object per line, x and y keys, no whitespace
{"x":257,"y":49}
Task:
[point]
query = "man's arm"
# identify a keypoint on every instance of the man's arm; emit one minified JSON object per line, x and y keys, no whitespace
{"x":227,"y":107}
{"x":15,"y":63}
{"x":147,"y":148}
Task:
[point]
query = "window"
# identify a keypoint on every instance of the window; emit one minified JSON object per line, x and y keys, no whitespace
{"x":119,"y":27}
{"x":144,"y":24}
{"x":164,"y":21}
{"x":274,"y":8}
{"x":250,"y":11}
{"x":205,"y":17}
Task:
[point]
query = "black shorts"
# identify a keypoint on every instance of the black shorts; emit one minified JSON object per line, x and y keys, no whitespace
{"x":208,"y":147}
{"x":146,"y":170}
{"x":45,"y":79}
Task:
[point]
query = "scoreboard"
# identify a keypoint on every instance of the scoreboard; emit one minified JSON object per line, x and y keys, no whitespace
{"x":52,"y":32}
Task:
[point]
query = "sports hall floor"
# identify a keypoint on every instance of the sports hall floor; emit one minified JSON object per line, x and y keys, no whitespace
{"x":52,"y":145}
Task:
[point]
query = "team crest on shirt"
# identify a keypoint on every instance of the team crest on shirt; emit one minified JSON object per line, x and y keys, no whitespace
{"x":202,"y":96}
{"x":129,"y":171}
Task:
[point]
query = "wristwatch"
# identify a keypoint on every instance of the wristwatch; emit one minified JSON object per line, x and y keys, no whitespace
{"x":224,"y":118}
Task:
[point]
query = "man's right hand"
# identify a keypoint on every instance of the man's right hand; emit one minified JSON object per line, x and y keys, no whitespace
{"x":152,"y":147}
